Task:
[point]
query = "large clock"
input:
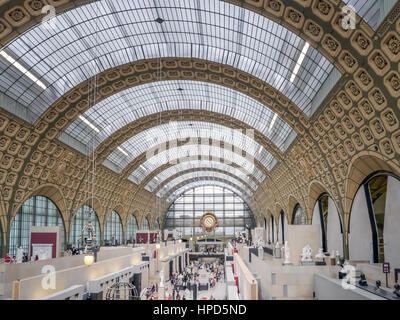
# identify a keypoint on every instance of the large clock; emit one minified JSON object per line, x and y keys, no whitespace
{"x":209,"y":222}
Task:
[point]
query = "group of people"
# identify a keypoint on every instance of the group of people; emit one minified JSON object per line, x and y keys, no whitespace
{"x":20,"y":257}
{"x":72,"y":251}
{"x":214,"y":270}
{"x":182,"y":283}
{"x":151,"y":292}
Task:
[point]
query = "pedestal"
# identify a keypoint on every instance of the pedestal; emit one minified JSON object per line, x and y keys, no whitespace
{"x":307,"y":263}
{"x":161,"y":292}
{"x":261,"y":253}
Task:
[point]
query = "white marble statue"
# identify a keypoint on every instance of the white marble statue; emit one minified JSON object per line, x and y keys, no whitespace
{"x":306,"y":254}
{"x":287,"y":253}
{"x":161,"y":278}
{"x":320,"y":254}
{"x":20,"y":255}
{"x":259,"y":243}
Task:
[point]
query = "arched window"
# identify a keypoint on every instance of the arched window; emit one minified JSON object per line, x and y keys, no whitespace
{"x":374,"y":220}
{"x":131,"y":229}
{"x":81,"y":219}
{"x":282,"y":228}
{"x":145,"y":224}
{"x":113,"y":233}
{"x":299,"y":216}
{"x":37,"y":211}
{"x":231,"y":210}
{"x":156,"y":225}
{"x":272,"y":229}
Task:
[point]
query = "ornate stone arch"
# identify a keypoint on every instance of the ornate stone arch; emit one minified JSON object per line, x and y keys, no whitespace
{"x":361,"y":166}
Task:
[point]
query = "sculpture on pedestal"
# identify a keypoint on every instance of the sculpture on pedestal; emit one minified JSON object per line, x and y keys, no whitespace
{"x":259,"y":243}
{"x":277,"y":251}
{"x":320,"y":254}
{"x":161,"y":278}
{"x":306,"y":254}
{"x":20,"y":255}
{"x":287,"y":253}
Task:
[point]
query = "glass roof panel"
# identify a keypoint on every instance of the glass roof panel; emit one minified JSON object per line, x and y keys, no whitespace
{"x":177,"y":193}
{"x":369,"y":10}
{"x":202,"y":176}
{"x":166,"y":174}
{"x":125,"y":107}
{"x":206,"y":152}
{"x":179,"y":131}
{"x":118,"y":32}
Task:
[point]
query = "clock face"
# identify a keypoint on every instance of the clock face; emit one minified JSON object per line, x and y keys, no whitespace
{"x":209,"y":222}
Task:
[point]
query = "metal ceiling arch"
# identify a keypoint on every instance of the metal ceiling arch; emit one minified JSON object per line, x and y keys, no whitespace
{"x":164,"y":172}
{"x":155,"y":139}
{"x":104,"y":150}
{"x":321,"y":12}
{"x":115,"y":33}
{"x":200,"y":175}
{"x":183,"y":160}
{"x":205,"y":152}
{"x":111,"y":114}
{"x":202,"y":170}
{"x":210,"y":181}
{"x":176,"y":160}
{"x":215,"y":181}
{"x":177,"y":193}
{"x":79,"y":101}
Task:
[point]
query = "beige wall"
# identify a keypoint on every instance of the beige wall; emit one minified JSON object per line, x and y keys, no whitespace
{"x":286,"y":282}
{"x":15,"y":271}
{"x":31,"y":288}
{"x":248,"y":287}
{"x":298,"y":236}
{"x":331,"y":289}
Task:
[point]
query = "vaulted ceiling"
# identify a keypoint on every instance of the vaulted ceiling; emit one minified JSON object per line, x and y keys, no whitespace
{"x":176,"y":93}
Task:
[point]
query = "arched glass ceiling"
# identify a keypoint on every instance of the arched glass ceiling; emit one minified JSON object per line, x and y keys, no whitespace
{"x":210,"y":176}
{"x":179,"y":131}
{"x":177,"y":193}
{"x":132,"y":104}
{"x":119,"y":32}
{"x":206,"y":152}
{"x":369,"y":10}
{"x":167,"y":173}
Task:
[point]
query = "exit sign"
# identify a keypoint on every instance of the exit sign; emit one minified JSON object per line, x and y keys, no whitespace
{"x":386,"y":267}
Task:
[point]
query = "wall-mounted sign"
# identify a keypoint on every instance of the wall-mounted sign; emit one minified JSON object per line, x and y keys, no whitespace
{"x":386,"y":267}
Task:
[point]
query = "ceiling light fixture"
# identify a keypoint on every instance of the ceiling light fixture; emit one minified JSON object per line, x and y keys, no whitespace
{"x":259,"y":151}
{"x":159,"y":20}
{"x":143,"y":168}
{"x":300,"y":61}
{"x":91,"y":125}
{"x":21,"y":68}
